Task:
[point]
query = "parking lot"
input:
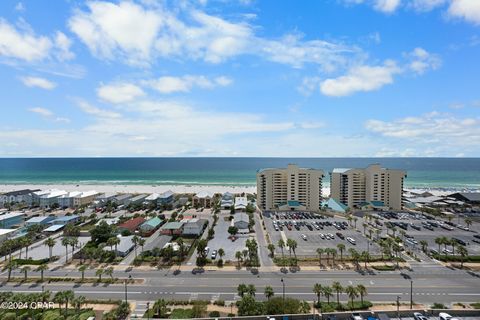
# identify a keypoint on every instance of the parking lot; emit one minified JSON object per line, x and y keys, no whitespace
{"x":221,"y":238}
{"x":420,"y":227}
{"x":313,"y":231}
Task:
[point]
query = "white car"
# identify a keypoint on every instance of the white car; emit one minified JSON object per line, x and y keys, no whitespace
{"x":304,"y":237}
{"x":446,"y":316}
{"x":322,"y":236}
{"x":351,"y":240}
{"x":419,"y":316}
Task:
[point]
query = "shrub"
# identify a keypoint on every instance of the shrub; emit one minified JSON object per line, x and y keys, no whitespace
{"x":438,"y":305}
{"x":214,"y":314}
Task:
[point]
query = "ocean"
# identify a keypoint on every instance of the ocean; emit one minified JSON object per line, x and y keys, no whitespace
{"x":435,"y":173}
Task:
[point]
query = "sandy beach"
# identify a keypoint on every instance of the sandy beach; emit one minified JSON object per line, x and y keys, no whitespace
{"x":143,"y":188}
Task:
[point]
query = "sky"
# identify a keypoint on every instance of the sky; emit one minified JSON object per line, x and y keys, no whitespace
{"x":329,"y":78}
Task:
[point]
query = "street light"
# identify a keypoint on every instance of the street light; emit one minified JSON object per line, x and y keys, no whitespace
{"x":126,"y":280}
{"x":148,"y":310}
{"x":411,"y":294}
{"x":398,"y":307}
{"x":283,"y":296}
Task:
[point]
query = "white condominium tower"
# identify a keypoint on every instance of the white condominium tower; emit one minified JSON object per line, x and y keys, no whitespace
{"x":374,"y":184}
{"x":289,"y":188}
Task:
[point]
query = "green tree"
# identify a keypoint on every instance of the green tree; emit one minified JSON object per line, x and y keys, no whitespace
{"x":25,"y":270}
{"x":242,"y":289}
{"x":251,"y":290}
{"x":341,"y":248}
{"x":327,"y":292}
{"x":50,"y":243}
{"x":268,"y":292}
{"x":352,"y":293}
{"x":463,"y":252}
{"x":337,"y":287}
{"x":99,"y":274}
{"x":362,"y":291}
{"x":102,"y":232}
{"x":66,"y":243}
{"x":238,"y":256}
{"x":11,"y":265}
{"x":318,"y":290}
{"x":82,"y":269}
{"x":41,"y":268}
{"x":281,"y":245}
{"x":271,"y":248}
{"x":320,"y":251}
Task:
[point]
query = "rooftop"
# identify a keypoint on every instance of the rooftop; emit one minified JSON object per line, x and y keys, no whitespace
{"x":54,"y":228}
{"x":6,"y":231}
{"x":173,"y":225}
{"x":20,"y":192}
{"x":132,"y":224}
{"x":11,"y":215}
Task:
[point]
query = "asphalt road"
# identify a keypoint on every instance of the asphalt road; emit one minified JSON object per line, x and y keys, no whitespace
{"x":430,"y":284}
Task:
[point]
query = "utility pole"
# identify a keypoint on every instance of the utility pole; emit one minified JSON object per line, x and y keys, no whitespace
{"x":411,"y":294}
{"x":398,"y":307}
{"x":283,"y":296}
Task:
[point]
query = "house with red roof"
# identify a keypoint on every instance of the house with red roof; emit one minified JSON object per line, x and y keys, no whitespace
{"x":131,"y":225}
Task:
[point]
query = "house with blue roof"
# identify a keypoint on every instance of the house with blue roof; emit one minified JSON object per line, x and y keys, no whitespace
{"x":149,"y":226}
{"x":65,"y":220}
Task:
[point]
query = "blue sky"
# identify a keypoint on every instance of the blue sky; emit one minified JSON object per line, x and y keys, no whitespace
{"x":240,"y":78}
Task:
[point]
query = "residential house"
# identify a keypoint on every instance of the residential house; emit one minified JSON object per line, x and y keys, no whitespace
{"x":166,"y":198}
{"x":241,"y":204}
{"x":227,"y":201}
{"x":19,"y":196}
{"x":149,"y":226}
{"x":65,"y":220}
{"x":125,"y":246}
{"x":12,"y":219}
{"x":194,"y":227}
{"x":42,"y":220}
{"x":172,"y":228}
{"x":203,"y":199}
{"x":131,"y":225}
{"x":241,"y":221}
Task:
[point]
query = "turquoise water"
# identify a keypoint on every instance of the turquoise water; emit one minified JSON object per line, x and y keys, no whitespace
{"x":457,"y":173}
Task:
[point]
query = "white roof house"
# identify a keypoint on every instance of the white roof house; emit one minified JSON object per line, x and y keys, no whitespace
{"x":152,"y":197}
{"x":241,"y":203}
{"x":204,"y":194}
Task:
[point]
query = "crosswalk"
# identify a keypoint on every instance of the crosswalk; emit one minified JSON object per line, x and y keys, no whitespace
{"x":140,"y":309}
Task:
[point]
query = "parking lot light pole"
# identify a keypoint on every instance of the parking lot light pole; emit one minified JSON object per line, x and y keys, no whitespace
{"x":411,"y":294}
{"x":398,"y":307}
{"x":283,"y":296}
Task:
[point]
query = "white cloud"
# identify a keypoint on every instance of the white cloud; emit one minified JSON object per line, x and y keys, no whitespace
{"x":360,"y":78}
{"x":309,"y":85}
{"x":47,"y":114}
{"x":139,"y":35}
{"x":20,"y":6}
{"x":468,"y":10}
{"x":170,"y":84}
{"x":426,"y":5}
{"x":101,"y":113}
{"x":119,"y":93}
{"x":38,"y":82}
{"x":422,"y":61}
{"x":387,"y":6}
{"x":22,"y":44}
{"x":442,"y":133}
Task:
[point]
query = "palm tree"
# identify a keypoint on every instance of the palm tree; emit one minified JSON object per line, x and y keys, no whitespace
{"x":109,"y":272}
{"x":268,"y":292}
{"x":424,"y":245}
{"x":362,"y":291}
{"x":141,"y":242}
{"x":352,"y":293}
{"x":99,"y":273}
{"x":111,"y":242}
{"x":69,"y":296}
{"x":364,"y":225}
{"x":77,"y":302}
{"x":251,"y":290}
{"x":59,"y":298}
{"x":82,"y":269}
{"x":281,"y":245}
{"x":468,"y":222}
{"x":11,"y":265}
{"x":73,"y":244}
{"x":463,"y":252}
{"x":271,"y":248}
{"x":50,"y":243}
{"x":366,"y":258}
{"x":328,"y":293}
{"x":181,"y":245}
{"x":355,"y":219}
{"x":66,"y":243}
{"x":135,"y":240}
{"x":27,"y":242}
{"x":341,"y":248}
{"x":337,"y":287}
{"x":42,"y":268}
{"x":25,"y":269}
{"x":453,"y":243}
{"x":221,"y":252}
{"x":318,"y":290}
{"x":241,"y":289}
{"x":349,"y":218}
{"x":238,"y":256}
{"x":320,"y":251}
{"x":333,"y":252}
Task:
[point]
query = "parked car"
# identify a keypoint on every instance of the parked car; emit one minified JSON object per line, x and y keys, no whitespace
{"x":351,"y":240}
{"x":356,"y":316}
{"x":419,"y":316}
{"x":340,"y":235}
{"x":214,"y":254}
{"x":446,"y":316}
{"x":304,"y":237}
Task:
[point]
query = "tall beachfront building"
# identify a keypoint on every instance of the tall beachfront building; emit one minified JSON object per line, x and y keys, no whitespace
{"x":289,"y":188}
{"x":376,"y":185}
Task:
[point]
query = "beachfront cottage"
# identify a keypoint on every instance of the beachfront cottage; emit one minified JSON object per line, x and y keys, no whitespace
{"x":149,"y":227}
{"x":121,"y":199}
{"x":172,"y":228}
{"x":19,"y":196}
{"x":130,"y":225}
{"x":203,"y":199}
{"x":194,"y":227}
{"x":11,"y":220}
{"x":241,"y":221}
{"x":166,"y":198}
{"x":65,"y":220}
{"x":241,"y":204}
{"x":42,"y":221}
{"x":227,"y":201}
{"x":137,"y":199}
